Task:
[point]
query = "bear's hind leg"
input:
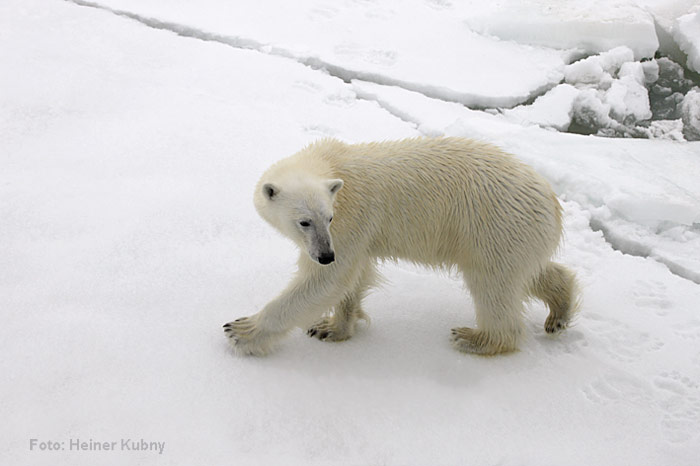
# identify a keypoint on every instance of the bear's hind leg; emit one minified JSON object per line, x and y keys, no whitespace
{"x":341,"y":324}
{"x":557,"y":287}
{"x":499,"y":316}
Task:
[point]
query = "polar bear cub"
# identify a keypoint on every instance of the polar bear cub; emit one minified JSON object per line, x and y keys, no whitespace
{"x":443,"y":202}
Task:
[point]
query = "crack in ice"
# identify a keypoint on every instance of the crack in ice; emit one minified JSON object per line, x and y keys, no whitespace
{"x":345,"y":74}
{"x":393,"y":111}
{"x":635,"y":248}
{"x":187,"y":31}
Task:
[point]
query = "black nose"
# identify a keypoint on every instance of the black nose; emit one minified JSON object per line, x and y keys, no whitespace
{"x":326,"y":258}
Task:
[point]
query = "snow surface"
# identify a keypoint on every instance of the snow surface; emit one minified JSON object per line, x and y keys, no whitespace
{"x":359,"y":39}
{"x":592,"y":25}
{"x":128,"y":237}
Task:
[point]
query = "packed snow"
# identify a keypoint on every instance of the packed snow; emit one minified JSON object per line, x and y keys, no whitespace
{"x":133,"y":133}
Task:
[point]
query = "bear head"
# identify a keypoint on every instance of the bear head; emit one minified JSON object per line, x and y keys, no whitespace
{"x":300,"y":206}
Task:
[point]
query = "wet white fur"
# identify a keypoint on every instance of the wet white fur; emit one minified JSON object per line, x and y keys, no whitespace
{"x":445,"y":202}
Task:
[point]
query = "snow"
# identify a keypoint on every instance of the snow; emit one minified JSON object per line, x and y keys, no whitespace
{"x":611,"y":94}
{"x":128,"y":237}
{"x":651,"y":71}
{"x":628,"y":99}
{"x":551,"y":110}
{"x":669,"y":90}
{"x":667,"y":129}
{"x":593,"y":25}
{"x":587,"y":71}
{"x":687,"y":35}
{"x":591,"y":111}
{"x":359,"y":40}
{"x":620,"y":93}
{"x":690,"y":115}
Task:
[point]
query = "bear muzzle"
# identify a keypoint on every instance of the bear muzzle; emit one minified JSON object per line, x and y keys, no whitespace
{"x":326,"y":258}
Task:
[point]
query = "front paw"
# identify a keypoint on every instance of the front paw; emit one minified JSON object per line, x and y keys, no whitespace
{"x":245,"y":337}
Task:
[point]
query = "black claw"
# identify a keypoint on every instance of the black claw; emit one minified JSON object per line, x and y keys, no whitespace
{"x":239,"y":319}
{"x":323,"y":335}
{"x":227,"y":325}
{"x":312,"y":332}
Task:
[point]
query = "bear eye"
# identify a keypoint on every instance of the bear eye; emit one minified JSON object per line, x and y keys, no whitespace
{"x":330,"y":220}
{"x":305,"y":224}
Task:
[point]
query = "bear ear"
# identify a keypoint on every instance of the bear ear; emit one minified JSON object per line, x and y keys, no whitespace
{"x":270,"y":191}
{"x":334,"y":186}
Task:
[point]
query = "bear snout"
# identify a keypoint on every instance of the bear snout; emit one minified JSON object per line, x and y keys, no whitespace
{"x":326,"y":258}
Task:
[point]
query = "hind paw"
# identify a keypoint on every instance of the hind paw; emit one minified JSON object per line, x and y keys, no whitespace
{"x":555,"y":324}
{"x":326,"y":330}
{"x":468,"y":340}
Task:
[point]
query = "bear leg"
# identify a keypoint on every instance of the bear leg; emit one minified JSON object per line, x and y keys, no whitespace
{"x":246,"y":337}
{"x":312,"y":291}
{"x":341,"y":324}
{"x":499,"y":316}
{"x":557,"y":287}
{"x":475,"y":341}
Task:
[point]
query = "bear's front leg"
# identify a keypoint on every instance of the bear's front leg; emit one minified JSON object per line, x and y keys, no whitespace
{"x":249,"y":338}
{"x":314,"y":290}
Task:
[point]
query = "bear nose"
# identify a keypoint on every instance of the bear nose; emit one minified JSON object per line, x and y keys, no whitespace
{"x":326,"y":258}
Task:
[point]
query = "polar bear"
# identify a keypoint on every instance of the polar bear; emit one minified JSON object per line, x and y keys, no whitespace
{"x":441,"y":202}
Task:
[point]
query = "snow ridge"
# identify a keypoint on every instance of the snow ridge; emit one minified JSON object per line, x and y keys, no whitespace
{"x":472,"y":101}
